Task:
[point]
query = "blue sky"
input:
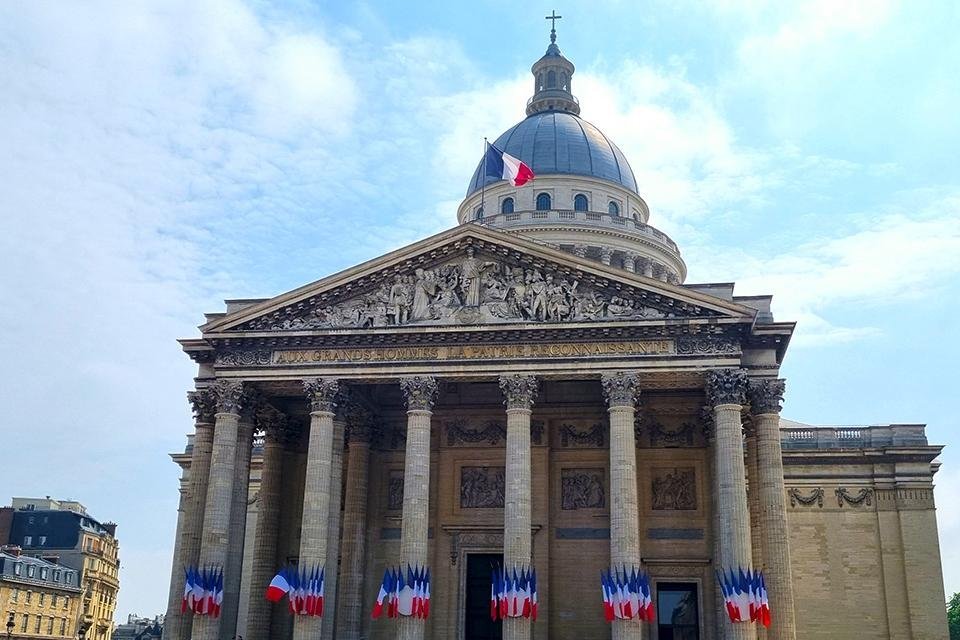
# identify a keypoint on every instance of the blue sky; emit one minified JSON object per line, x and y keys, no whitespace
{"x":161,"y":157}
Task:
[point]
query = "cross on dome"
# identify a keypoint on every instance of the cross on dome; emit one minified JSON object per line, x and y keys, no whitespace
{"x":553,"y":17}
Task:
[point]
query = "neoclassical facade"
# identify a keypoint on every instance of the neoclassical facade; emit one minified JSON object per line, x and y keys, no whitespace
{"x":538,"y":386}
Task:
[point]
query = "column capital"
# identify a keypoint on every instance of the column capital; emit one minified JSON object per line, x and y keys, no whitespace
{"x":274,"y":423}
{"x":203,"y":404}
{"x":519,"y":390}
{"x":420,"y":392}
{"x":766,"y":395}
{"x":621,"y":388}
{"x":322,"y":393}
{"x":725,"y":386}
{"x":228,"y":395}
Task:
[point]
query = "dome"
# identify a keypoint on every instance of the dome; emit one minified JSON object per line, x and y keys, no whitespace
{"x":558,"y":142}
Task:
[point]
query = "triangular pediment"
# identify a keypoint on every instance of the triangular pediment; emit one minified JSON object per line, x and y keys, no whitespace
{"x":469,"y":276}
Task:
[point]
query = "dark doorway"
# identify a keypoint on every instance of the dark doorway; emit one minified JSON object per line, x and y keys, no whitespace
{"x":678,"y":616}
{"x":478,"y":625}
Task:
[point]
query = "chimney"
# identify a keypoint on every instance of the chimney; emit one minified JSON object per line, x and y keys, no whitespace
{"x":11,"y":549}
{"x":111,"y":528}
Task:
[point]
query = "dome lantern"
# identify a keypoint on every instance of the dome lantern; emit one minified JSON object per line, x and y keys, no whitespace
{"x":552,"y":75}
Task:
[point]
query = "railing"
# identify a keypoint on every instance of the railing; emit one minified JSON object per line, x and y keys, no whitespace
{"x":853,"y":437}
{"x":587,"y":218}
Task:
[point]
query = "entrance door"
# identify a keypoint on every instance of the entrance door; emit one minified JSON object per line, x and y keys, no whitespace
{"x":478,"y":625}
{"x":678,"y":616}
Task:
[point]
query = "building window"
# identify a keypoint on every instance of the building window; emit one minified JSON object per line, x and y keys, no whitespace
{"x":42,"y":540}
{"x":551,"y":79}
{"x":479,"y":213}
{"x":580,"y":202}
{"x":29,"y":597}
{"x":43,"y":573}
{"x":56,"y":575}
{"x":15,"y":595}
{"x":49,"y":626}
{"x":43,"y":597}
{"x":63,"y":626}
{"x":66,"y":602}
{"x":23,"y":625}
{"x":69,"y":577}
{"x":39,"y":622}
{"x":613,"y":208}
{"x":506,"y":206}
{"x":53,"y":600}
{"x":543,"y":202}
{"x":31,"y":571}
{"x":28,"y":541}
{"x":17,"y":568}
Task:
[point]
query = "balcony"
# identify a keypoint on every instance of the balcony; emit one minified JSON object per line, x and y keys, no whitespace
{"x":586,"y":219}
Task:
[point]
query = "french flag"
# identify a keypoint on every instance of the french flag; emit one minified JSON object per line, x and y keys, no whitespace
{"x":279,"y":586}
{"x":503,"y":166}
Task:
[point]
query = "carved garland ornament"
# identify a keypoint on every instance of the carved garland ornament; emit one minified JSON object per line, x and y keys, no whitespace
{"x":420,"y":392}
{"x":815,"y":497}
{"x":469,"y":290}
{"x":864,"y":496}
{"x":661,"y":437}
{"x":460,"y":432}
{"x":572,"y":436}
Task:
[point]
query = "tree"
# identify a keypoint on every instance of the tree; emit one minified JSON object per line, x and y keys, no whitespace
{"x":953,"y":616}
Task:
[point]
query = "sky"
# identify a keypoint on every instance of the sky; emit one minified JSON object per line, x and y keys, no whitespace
{"x":158,"y":158}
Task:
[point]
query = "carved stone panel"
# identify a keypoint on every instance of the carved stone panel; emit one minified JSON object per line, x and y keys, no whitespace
{"x":661,"y":436}
{"x":579,"y":436}
{"x":465,"y":432}
{"x":583,"y":489}
{"x":395,"y":490}
{"x":482,"y":487}
{"x":674,"y":489}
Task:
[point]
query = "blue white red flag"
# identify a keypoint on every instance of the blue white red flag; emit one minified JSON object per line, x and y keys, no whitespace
{"x":503,"y":166}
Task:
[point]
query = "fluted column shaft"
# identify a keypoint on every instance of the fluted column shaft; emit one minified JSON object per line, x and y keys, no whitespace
{"x":187,"y":551}
{"x":314,"y":526}
{"x":353,"y":546}
{"x":420,"y":393}
{"x":765,"y":397}
{"x":238,"y":526}
{"x":519,"y":391}
{"x":725,"y":393}
{"x":215,"y":539}
{"x":333,"y":531}
{"x":621,"y":390}
{"x":264,"y":564}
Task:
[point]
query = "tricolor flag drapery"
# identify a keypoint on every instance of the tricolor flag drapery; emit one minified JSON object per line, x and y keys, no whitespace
{"x":745,"y":595}
{"x":503,"y":166}
{"x":404,"y":593}
{"x":303,"y":586}
{"x":513,"y":593}
{"x":203,"y":591}
{"x":626,"y":594}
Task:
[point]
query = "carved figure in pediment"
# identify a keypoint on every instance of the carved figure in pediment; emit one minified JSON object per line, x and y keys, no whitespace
{"x":590,"y":306}
{"x":471,"y":277}
{"x":401,"y":299}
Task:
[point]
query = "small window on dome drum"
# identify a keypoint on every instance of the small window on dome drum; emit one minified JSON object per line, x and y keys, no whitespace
{"x":506,"y":206}
{"x":479,"y":214}
{"x":543,"y":202}
{"x":551,"y":79}
{"x":613,"y":208}
{"x":580,"y":202}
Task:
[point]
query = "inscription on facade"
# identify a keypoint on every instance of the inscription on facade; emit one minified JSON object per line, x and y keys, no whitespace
{"x":674,"y":489}
{"x":582,"y":489}
{"x":482,"y":487}
{"x":475,"y":352}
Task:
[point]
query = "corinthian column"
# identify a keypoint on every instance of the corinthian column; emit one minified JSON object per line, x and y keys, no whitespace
{"x":622,"y":390}
{"x":333,"y":529}
{"x":190,"y":521}
{"x":725,"y":389}
{"x":519,"y":391}
{"x":215,"y":539}
{"x":420,"y":392}
{"x":238,"y":518}
{"x":765,"y":399}
{"x":353,"y":545}
{"x":314,"y":526}
{"x":264,"y":563}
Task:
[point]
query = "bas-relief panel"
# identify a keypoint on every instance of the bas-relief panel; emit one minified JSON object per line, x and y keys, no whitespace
{"x":394,"y":499}
{"x":583,"y":489}
{"x":673,"y":489}
{"x":482,"y":487}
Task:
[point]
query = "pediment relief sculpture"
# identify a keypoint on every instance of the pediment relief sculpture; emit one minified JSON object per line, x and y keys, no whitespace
{"x":473,"y":288}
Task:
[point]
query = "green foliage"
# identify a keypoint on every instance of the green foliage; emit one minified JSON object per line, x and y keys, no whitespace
{"x":953,"y":616}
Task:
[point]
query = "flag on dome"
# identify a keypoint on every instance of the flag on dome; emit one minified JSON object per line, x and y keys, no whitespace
{"x":503,"y":166}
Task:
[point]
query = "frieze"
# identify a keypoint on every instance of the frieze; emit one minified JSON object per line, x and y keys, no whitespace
{"x":461,"y":433}
{"x":582,"y":489}
{"x":815,"y":497}
{"x":606,"y":348}
{"x":573,"y":436}
{"x":477,"y":287}
{"x":244,"y":358}
{"x":863,"y":497}
{"x":707,"y":345}
{"x":674,"y":489}
{"x":482,"y":487}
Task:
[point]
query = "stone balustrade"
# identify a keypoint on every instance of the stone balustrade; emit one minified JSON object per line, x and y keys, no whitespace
{"x":853,"y":437}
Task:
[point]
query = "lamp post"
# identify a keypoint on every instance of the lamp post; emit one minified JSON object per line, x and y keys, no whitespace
{"x":10,"y":626}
